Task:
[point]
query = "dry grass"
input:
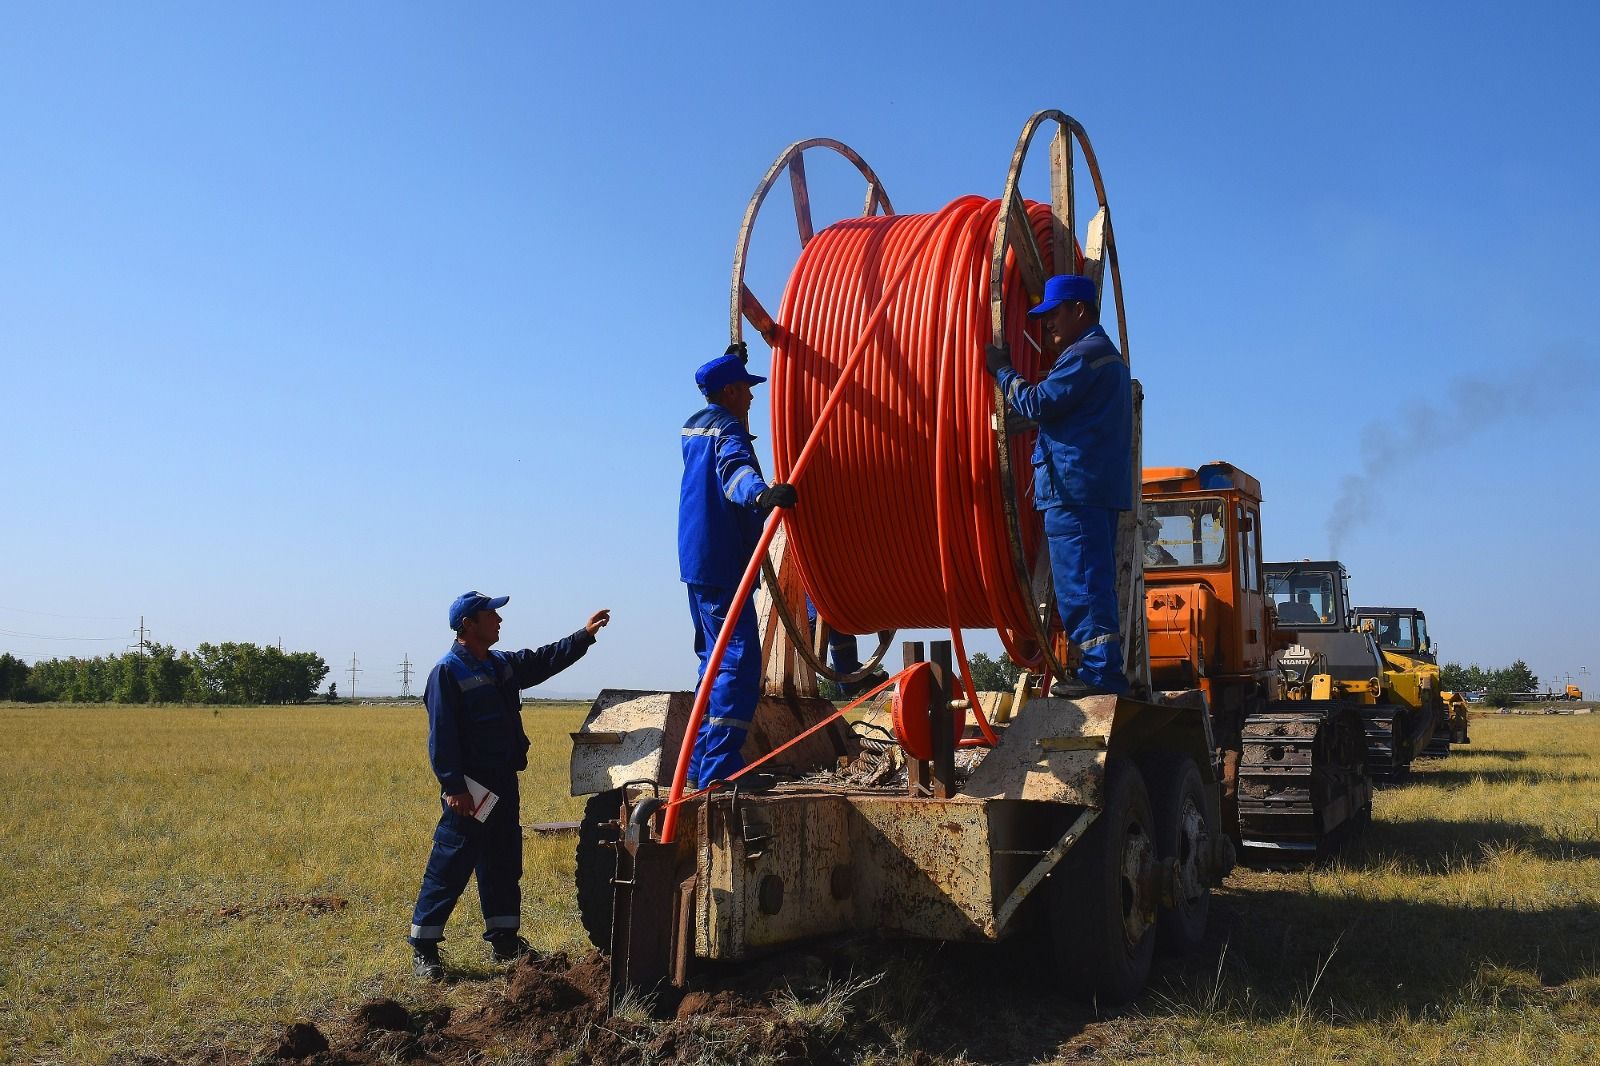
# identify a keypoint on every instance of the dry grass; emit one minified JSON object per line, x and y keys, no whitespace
{"x":171,"y":880}
{"x":128,"y":833}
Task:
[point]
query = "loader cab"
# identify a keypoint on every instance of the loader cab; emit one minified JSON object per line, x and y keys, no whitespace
{"x":1399,"y":629}
{"x":1202,"y":567}
{"x":1309,"y":595}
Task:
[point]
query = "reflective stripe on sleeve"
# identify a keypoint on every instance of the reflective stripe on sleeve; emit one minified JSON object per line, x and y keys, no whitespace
{"x":1103,"y":638}
{"x":727,"y":723}
{"x":702,"y":431}
{"x":744,"y":472}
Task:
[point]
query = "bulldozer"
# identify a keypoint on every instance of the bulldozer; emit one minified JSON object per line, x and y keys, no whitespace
{"x":1402,"y":636}
{"x":1293,"y":774}
{"x":1089,"y":825}
{"x":1329,"y":657}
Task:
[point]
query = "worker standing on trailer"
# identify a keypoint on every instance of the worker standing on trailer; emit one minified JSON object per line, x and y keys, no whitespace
{"x":474,"y":701}
{"x":1083,"y":470}
{"x":720,"y":507}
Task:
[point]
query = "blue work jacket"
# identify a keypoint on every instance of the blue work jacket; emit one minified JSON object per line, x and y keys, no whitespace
{"x":719,"y":523}
{"x":1083,"y":456}
{"x":475,"y":708}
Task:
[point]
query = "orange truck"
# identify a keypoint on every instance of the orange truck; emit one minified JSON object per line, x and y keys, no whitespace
{"x":1292,"y":773}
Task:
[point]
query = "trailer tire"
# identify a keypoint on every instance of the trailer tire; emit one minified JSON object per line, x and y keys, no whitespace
{"x":1100,"y":911}
{"x":596,"y":865}
{"x":1183,"y":832}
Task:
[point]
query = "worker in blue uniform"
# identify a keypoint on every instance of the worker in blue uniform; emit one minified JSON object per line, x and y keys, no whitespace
{"x":1082,"y":470}
{"x":475,"y":731}
{"x":721,"y":504}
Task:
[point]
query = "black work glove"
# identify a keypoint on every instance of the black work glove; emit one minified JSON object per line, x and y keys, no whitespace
{"x":740,"y":349}
{"x":997,"y":357}
{"x":779,"y":495}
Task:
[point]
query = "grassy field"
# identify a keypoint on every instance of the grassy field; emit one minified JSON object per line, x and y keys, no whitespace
{"x":178,"y":879}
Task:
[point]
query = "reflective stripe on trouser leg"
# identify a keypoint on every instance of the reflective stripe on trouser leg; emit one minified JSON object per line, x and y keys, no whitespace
{"x":499,"y":866}
{"x":1083,"y":562}
{"x":734,"y":691}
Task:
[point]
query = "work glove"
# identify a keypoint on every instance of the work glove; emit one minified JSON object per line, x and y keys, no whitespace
{"x":740,"y":349}
{"x":997,"y":357}
{"x":779,"y":495}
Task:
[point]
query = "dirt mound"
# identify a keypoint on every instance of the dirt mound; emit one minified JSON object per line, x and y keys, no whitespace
{"x":554,"y":1007}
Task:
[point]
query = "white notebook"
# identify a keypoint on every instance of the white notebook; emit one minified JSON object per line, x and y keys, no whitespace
{"x":483,"y":800}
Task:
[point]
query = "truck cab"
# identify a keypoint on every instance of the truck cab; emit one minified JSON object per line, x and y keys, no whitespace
{"x":1204,"y":604}
{"x":1400,"y":629}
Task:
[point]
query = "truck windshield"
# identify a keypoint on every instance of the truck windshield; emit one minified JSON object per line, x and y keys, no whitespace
{"x":1393,"y":630}
{"x":1192,"y":534}
{"x":1303,"y":597}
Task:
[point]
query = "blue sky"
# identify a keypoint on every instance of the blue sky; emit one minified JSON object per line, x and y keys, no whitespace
{"x":313,"y":316}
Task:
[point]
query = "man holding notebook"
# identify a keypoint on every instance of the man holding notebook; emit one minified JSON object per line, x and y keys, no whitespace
{"x":477,"y":745}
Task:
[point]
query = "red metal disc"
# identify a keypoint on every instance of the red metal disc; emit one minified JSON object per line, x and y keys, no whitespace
{"x":909,"y":710}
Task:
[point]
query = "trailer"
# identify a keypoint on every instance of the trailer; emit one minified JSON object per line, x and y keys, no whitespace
{"x":928,"y":810}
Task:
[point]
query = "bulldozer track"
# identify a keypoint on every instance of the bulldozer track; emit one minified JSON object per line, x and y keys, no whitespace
{"x":1303,"y":780}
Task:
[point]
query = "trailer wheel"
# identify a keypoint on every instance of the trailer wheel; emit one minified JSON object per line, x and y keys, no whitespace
{"x":1183,"y":832}
{"x":596,"y":865}
{"x":1103,"y":898}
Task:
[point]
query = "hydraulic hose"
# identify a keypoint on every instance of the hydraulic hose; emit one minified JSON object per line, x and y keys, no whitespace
{"x":879,"y":392}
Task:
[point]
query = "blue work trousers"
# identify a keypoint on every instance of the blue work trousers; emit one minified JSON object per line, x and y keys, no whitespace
{"x":735,"y":690}
{"x":844,"y":652}
{"x":463,"y":846}
{"x":1083,"y":561}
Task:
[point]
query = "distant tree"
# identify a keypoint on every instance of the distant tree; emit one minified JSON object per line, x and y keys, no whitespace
{"x":1498,"y":694}
{"x":829,"y":689}
{"x":993,"y":675}
{"x":130,"y":677}
{"x":166,"y":674}
{"x":333,"y":692}
{"x":1518,"y":678}
{"x":14,"y":678}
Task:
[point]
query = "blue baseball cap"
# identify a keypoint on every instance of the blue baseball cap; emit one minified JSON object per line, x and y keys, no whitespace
{"x":723,"y":371}
{"x":1063,"y":289}
{"x":470,"y":603}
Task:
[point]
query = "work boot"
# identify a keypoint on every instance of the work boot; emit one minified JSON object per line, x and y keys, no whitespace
{"x":866,"y":684}
{"x":509,"y":947}
{"x":425,"y":962}
{"x":1070,"y":688}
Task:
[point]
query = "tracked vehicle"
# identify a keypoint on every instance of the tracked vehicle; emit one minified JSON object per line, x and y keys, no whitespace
{"x":1293,"y":774}
{"x":1402,"y":636}
{"x":1331,"y":659}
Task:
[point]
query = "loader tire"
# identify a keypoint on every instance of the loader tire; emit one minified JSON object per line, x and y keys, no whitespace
{"x":596,"y":865}
{"x":1101,"y":914}
{"x":1183,"y":832}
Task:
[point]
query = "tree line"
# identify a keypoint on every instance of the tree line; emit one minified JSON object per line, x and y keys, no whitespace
{"x":228,"y":673}
{"x":1496,"y":685}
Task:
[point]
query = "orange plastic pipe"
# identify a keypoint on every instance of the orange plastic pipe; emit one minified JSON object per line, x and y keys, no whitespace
{"x":702,"y":695}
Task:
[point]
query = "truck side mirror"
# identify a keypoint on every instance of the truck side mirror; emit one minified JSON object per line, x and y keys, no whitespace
{"x":1246,"y":523}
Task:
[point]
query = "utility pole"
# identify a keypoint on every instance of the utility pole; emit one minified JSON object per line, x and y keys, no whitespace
{"x":353,"y":670}
{"x":142,"y":647}
{"x":405,"y":676}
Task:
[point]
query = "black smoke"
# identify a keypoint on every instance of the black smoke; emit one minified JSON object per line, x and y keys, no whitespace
{"x":1551,"y":386}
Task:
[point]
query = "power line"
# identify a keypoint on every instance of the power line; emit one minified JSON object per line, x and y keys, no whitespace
{"x":353,"y":669}
{"x":405,"y":676}
{"x":46,"y":636}
{"x":74,"y":617}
